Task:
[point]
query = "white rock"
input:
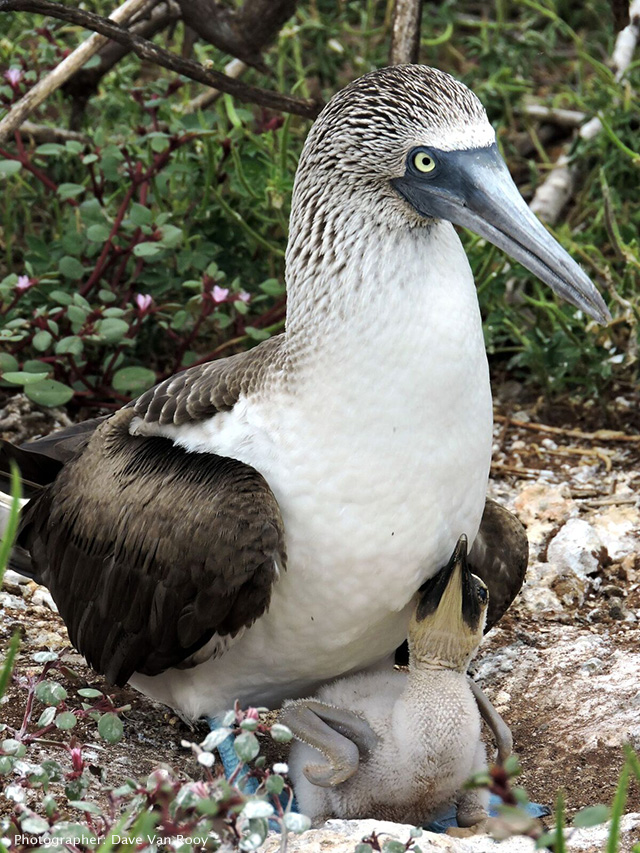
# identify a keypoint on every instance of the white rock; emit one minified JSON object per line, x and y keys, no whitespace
{"x":618,"y":528}
{"x":575,"y":549}
{"x":341,"y":836}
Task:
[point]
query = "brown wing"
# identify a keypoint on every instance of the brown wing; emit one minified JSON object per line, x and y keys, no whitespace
{"x":499,"y":556}
{"x":201,"y":391}
{"x":149,"y":550}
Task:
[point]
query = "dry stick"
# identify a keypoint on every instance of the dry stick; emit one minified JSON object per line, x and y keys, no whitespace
{"x":235,"y":68}
{"x":599,"y":435}
{"x":405,"y":32}
{"x":555,"y":115}
{"x":558,"y":187}
{"x":61,"y":73}
{"x":149,"y":51}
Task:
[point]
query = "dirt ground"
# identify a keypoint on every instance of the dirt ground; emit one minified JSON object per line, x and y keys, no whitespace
{"x":563,"y":667}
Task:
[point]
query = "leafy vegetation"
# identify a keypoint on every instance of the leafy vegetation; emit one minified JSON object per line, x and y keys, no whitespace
{"x":155,"y":239}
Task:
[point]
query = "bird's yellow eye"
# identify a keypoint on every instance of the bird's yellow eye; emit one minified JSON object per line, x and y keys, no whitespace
{"x":423,"y":162}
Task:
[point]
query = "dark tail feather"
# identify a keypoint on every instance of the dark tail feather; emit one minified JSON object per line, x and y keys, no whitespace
{"x":40,"y":460}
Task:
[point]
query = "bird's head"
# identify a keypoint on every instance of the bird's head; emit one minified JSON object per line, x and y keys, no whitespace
{"x":409,"y":144}
{"x":447,"y":625}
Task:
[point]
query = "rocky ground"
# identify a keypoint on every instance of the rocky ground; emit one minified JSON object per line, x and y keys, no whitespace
{"x":563,"y":666}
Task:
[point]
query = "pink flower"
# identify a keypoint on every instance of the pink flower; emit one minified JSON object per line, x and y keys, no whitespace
{"x":13,"y":76}
{"x":219,"y":294}
{"x":243,"y":296}
{"x":143,"y":301}
{"x":24,"y":283}
{"x":76,"y":758}
{"x":251,"y":714}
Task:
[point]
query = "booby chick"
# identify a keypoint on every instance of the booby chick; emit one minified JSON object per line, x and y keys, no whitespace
{"x":400,"y":746}
{"x":254,"y":527}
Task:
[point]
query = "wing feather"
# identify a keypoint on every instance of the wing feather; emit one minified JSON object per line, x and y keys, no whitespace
{"x":150,"y":551}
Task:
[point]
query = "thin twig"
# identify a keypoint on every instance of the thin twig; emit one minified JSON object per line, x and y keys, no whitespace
{"x":558,"y":187}
{"x":62,"y":72}
{"x":599,"y":435}
{"x":555,"y":115}
{"x":525,"y":473}
{"x":405,"y":32}
{"x":43,"y":133}
{"x":152,"y":53}
{"x":235,"y":69}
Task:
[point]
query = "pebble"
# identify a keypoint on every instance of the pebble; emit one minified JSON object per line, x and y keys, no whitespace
{"x":576,"y":548}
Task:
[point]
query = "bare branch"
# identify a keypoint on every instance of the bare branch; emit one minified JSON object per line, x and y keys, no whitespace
{"x":152,"y":20}
{"x":405,"y":33}
{"x":41,"y":91}
{"x":243,"y":32}
{"x":40,"y":133}
{"x":555,"y":115}
{"x":149,"y":51}
{"x":558,"y":187}
{"x":232,"y":69}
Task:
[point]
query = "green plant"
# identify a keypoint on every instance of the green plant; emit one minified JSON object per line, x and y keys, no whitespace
{"x":115,"y":243}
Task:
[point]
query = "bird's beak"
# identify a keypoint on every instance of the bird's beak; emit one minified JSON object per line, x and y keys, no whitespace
{"x":452,"y":593}
{"x":473,"y":188}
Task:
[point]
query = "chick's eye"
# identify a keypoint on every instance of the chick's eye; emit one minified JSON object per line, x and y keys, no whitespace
{"x":423,"y":162}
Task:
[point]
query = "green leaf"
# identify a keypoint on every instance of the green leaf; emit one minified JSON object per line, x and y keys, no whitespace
{"x":66,"y":191}
{"x":98,"y":233}
{"x":272,"y":287}
{"x":257,"y":809}
{"x":50,"y":693}
{"x":6,"y":765}
{"x":34,"y":825}
{"x":133,"y":379}
{"x":90,"y":693}
{"x":73,"y":146}
{"x":71,"y":344}
{"x":46,"y":717}
{"x":246,"y":746}
{"x":112,"y":329}
{"x":280,"y":733}
{"x":147,"y":250}
{"x":171,"y":236}
{"x":215,"y":738}
{"x":591,"y":816}
{"x":140,"y":215}
{"x":110,"y":728}
{"x":77,"y":315}
{"x":299,"y":823}
{"x":257,"y":334}
{"x":10,"y":167}
{"x":49,"y":392}
{"x":42,"y":340}
{"x":66,"y":721}
{"x":60,"y":296}
{"x":393,"y":846}
{"x":8,"y":363}
{"x":275,"y":785}
{"x":24,"y":378}
{"x":11,"y":746}
{"x":49,"y":148}
{"x":70,"y":268}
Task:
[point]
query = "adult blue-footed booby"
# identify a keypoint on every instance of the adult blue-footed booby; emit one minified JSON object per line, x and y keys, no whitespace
{"x":256,"y":526}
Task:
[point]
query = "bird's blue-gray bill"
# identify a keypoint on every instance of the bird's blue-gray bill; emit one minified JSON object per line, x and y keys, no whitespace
{"x":473,"y":188}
